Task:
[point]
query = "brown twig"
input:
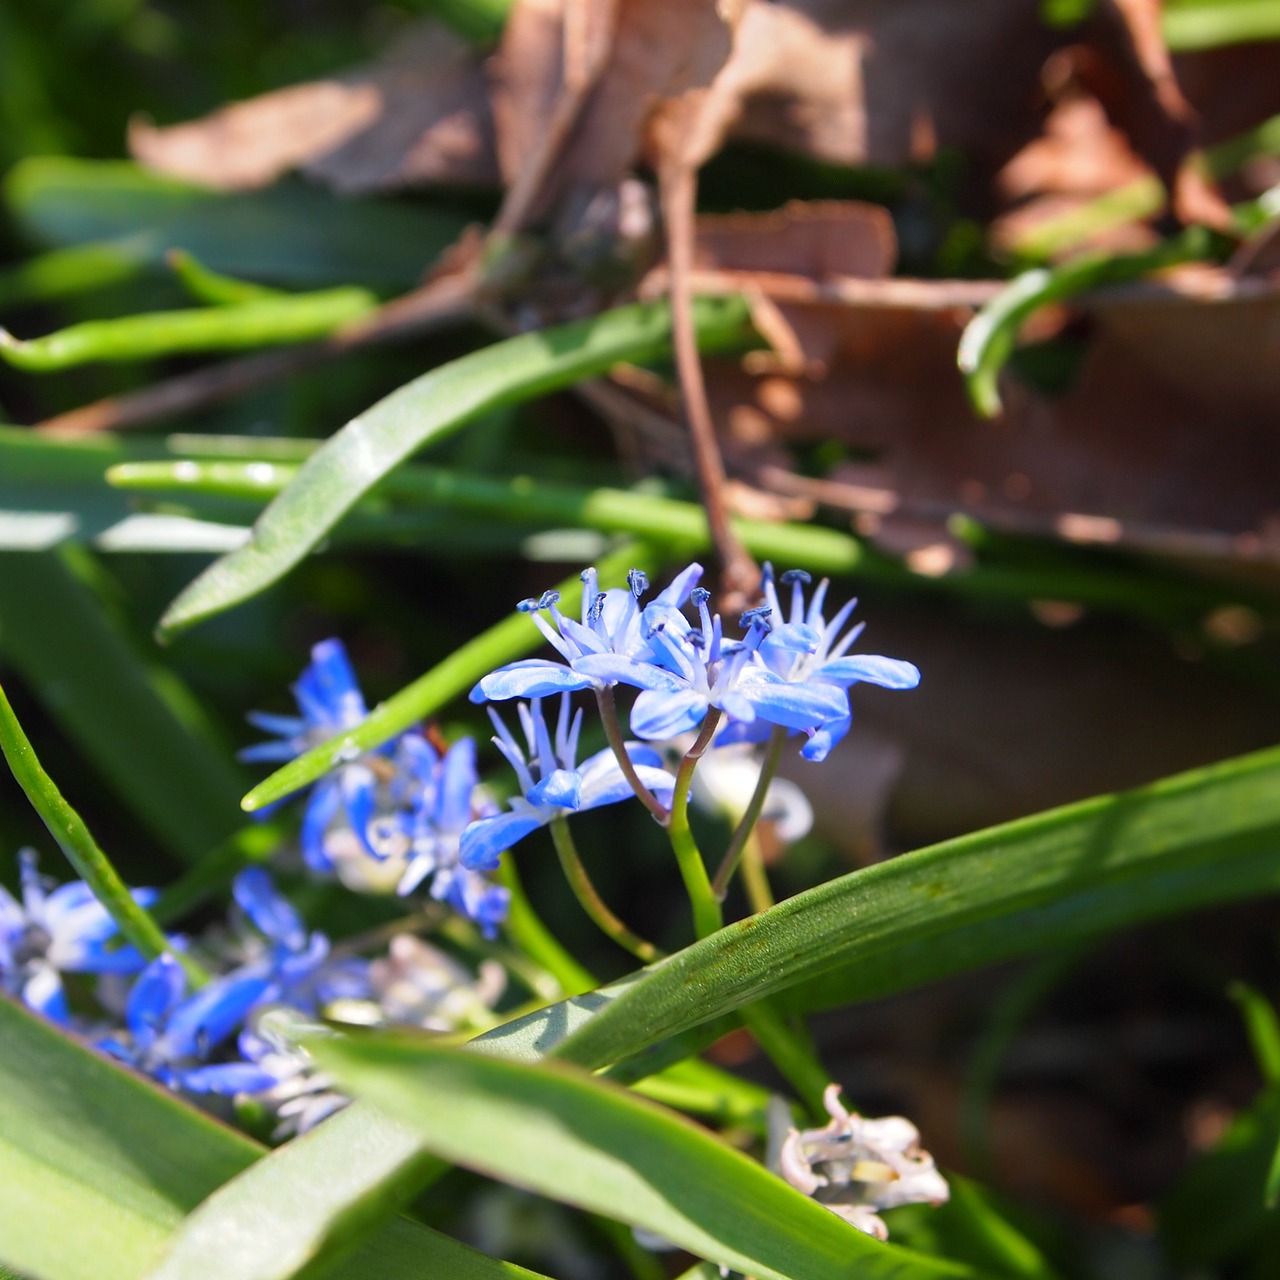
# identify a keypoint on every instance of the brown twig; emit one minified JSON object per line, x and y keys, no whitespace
{"x":739,"y":573}
{"x":437,"y":302}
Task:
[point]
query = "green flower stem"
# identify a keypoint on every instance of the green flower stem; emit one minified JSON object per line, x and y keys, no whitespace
{"x":527,"y":932}
{"x":732,"y":855}
{"x":68,"y":829}
{"x":613,"y":733}
{"x":212,"y":287}
{"x":592,"y":903}
{"x":707,"y":916}
{"x":790,"y":1052}
{"x":755,"y":878}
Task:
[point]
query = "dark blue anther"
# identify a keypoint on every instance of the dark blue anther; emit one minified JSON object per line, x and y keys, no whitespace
{"x":528,"y":606}
{"x":796,"y":575}
{"x":597,"y":608}
{"x":638,"y":581}
{"x":697,"y":639}
{"x":699,"y":595}
{"x":757,"y":617}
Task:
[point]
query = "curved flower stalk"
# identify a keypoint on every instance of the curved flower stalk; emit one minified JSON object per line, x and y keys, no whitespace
{"x":172,"y":1036}
{"x":857,"y":1167}
{"x":54,"y":931}
{"x":552,"y":783}
{"x":612,"y":625}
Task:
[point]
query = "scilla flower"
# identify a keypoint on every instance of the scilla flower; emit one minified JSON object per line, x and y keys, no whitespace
{"x":611,"y":625}
{"x":552,"y":784}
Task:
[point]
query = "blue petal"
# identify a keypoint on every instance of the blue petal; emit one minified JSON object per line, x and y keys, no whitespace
{"x":154,"y":995}
{"x":333,"y":677}
{"x":226,"y":1078}
{"x":483,"y":841}
{"x":616,"y":668}
{"x":796,"y":706}
{"x":43,"y":992}
{"x":563,"y":788}
{"x":665,"y":715}
{"x":870,"y":668}
{"x":271,"y":912}
{"x":359,"y":798}
{"x":677,"y":591}
{"x":818,"y":746}
{"x":457,"y":782}
{"x":212,"y":1014}
{"x":321,"y":808}
{"x":532,"y":678}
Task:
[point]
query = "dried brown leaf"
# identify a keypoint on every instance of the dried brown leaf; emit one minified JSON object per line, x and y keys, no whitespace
{"x":418,"y":115}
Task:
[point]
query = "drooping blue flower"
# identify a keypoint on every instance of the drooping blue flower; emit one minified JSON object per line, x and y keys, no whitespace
{"x":611,"y":625}
{"x":807,"y":652}
{"x":330,"y":703}
{"x":443,"y":802}
{"x":171,"y":1035}
{"x":51,"y":932}
{"x":552,"y":784}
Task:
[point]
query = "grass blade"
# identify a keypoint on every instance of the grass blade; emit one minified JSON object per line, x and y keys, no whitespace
{"x":431,"y":407}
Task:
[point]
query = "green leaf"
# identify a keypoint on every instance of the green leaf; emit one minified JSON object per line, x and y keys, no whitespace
{"x":568,"y":1136}
{"x":430,"y":408}
{"x":989,"y":338}
{"x":1196,"y":24}
{"x":62,"y":273}
{"x":99,"y":1167}
{"x":1263,"y":1027}
{"x":91,"y":681}
{"x":258,"y":323}
{"x":1022,"y":888}
{"x":290,"y":233}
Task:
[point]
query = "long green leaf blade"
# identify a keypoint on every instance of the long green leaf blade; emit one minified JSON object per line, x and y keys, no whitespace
{"x":258,"y":323}
{"x":591,"y":1144}
{"x":334,"y":478}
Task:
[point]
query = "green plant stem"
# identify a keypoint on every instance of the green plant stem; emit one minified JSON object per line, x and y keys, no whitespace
{"x":755,"y":878}
{"x":613,"y":733}
{"x":742,"y":832}
{"x":789,"y":1052}
{"x":73,"y":837}
{"x":707,"y":916}
{"x":592,"y":903}
{"x":527,"y":932}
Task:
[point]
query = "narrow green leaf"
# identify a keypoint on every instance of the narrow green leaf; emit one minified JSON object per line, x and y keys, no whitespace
{"x":431,"y":407}
{"x":1197,"y":24}
{"x":1263,"y":1027}
{"x":591,"y":1144}
{"x":989,"y":338}
{"x":504,"y":642}
{"x":1025,"y":887}
{"x":211,"y":286}
{"x":68,"y":829}
{"x":99,"y":1167}
{"x":290,"y":233}
{"x":256,"y":323}
{"x":62,"y":273}
{"x":91,"y":681}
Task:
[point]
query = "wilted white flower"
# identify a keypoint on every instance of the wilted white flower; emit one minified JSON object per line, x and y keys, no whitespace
{"x":856,"y":1167}
{"x":418,"y":985}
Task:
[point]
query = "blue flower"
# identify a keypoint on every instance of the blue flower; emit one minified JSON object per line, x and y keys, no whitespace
{"x":807,"y":652}
{"x":693,"y":669}
{"x":48,"y":933}
{"x":331,"y":703}
{"x":297,"y":964}
{"x":172,"y":1035}
{"x":611,"y":625}
{"x":443,"y":802}
{"x":552,"y":784}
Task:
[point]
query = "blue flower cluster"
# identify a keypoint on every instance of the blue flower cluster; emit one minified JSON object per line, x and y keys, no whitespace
{"x":790,"y":669}
{"x":390,"y":818}
{"x":217,"y":1040}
